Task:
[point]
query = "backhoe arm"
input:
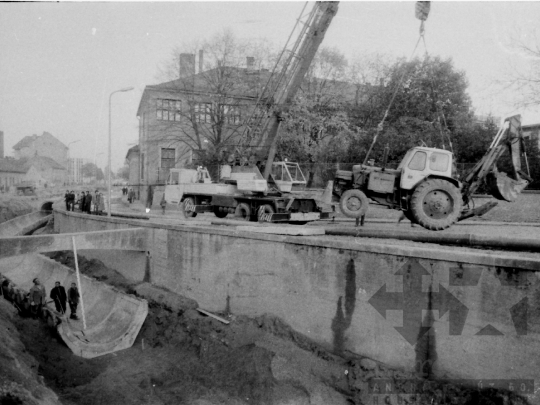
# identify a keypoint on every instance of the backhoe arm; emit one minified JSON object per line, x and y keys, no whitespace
{"x":502,"y":186}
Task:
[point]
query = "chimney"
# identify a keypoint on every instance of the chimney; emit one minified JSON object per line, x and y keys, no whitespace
{"x":187,"y":64}
{"x":201,"y":55}
{"x":250,"y":63}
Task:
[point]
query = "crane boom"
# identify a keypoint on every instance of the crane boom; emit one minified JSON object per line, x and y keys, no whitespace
{"x":285,"y":85}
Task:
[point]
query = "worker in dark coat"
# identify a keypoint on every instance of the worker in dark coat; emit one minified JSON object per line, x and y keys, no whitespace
{"x":37,"y":297}
{"x":82,"y":204}
{"x":59,"y":296}
{"x":88,"y":202}
{"x":73,"y":300}
{"x":66,"y":197}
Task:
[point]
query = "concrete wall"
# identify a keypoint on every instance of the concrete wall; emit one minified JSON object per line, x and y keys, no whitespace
{"x":483,"y":307}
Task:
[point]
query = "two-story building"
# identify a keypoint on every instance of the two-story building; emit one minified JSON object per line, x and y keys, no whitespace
{"x":180,"y":119}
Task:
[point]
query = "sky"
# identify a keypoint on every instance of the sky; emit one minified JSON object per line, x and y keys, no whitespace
{"x":59,"y":62}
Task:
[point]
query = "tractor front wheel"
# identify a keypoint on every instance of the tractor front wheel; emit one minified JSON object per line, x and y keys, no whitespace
{"x":436,"y":204}
{"x":353,"y":203}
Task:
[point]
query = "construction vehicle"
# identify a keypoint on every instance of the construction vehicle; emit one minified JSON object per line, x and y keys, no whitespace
{"x":247,"y":195}
{"x":425,"y":186}
{"x":272,"y":196}
{"x":26,"y":188}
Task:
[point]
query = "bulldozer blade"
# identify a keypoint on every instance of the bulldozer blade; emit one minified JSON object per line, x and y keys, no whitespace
{"x":478,"y":212}
{"x":505,"y":188}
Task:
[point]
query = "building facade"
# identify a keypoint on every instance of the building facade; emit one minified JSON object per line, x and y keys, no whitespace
{"x":532,"y":131}
{"x":11,"y":173}
{"x":181,"y":119}
{"x":75,"y":174}
{"x":132,"y":160}
{"x":44,"y":145}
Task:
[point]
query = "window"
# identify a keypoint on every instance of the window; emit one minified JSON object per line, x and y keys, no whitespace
{"x":174,"y":178}
{"x":231,"y":114}
{"x":168,"y":110}
{"x":438,"y":162}
{"x":168,"y":158}
{"x":203,"y":112}
{"x":142,"y":166}
{"x":418,"y":161}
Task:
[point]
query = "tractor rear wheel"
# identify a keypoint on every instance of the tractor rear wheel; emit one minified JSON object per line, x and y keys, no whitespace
{"x":436,"y":204}
{"x":353,"y":203}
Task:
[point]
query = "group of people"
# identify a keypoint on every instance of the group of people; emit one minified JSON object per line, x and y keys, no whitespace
{"x":84,"y":201}
{"x":34,"y":301}
{"x":130,"y":194}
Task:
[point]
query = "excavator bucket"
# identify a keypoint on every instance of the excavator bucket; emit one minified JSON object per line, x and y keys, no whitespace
{"x":503,"y":187}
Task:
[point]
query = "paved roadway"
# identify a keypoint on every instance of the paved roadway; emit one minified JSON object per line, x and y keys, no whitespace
{"x":476,"y":226}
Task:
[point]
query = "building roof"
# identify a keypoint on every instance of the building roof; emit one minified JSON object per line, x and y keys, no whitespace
{"x":41,"y":162}
{"x":135,"y":149}
{"x":11,"y":165}
{"x":25,"y":142}
{"x":29,"y":140}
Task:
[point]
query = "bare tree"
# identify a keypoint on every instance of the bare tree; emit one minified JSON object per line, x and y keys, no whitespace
{"x":216,"y":101}
{"x":523,"y":75}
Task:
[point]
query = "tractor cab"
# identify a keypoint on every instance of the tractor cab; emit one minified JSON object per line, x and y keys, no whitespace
{"x":421,"y":162}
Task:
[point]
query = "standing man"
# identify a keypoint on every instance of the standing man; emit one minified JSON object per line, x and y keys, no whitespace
{"x":37,"y":298}
{"x":131,"y":195}
{"x":73,"y":300}
{"x":72,"y":200}
{"x":149,"y":198}
{"x":66,"y":197}
{"x":82,"y":204}
{"x":58,"y":295}
{"x":97,"y":202}
{"x":88,"y":202}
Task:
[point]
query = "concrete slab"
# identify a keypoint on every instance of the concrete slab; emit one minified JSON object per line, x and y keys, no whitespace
{"x":24,"y":223}
{"x":282,"y":230}
{"x":113,"y":318}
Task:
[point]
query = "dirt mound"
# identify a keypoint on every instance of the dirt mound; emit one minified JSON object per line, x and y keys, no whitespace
{"x":11,"y":207}
{"x":19,"y":379}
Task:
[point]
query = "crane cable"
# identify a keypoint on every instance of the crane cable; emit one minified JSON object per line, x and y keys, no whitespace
{"x":440,"y":113}
{"x":421,"y":12}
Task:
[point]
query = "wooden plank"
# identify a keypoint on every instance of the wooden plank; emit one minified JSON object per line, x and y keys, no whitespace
{"x":214,"y":316}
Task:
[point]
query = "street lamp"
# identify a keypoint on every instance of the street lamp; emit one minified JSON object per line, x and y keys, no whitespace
{"x":109,"y":174}
{"x":95,"y":166}
{"x":69,"y":162}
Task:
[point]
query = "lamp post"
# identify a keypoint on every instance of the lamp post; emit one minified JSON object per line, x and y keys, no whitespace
{"x":109,"y":174}
{"x":95,"y":166}
{"x":69,"y":162}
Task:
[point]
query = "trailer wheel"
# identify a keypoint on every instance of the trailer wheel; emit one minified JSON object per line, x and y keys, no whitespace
{"x":189,"y":207}
{"x":220,"y":214}
{"x":353,"y":203}
{"x":436,"y":204}
{"x":265,"y":211}
{"x":243,"y":212}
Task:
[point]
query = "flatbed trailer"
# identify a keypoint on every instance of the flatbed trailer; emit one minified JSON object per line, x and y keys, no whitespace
{"x":247,"y":197}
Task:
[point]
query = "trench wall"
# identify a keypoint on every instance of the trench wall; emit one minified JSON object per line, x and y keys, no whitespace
{"x":445,"y":312}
